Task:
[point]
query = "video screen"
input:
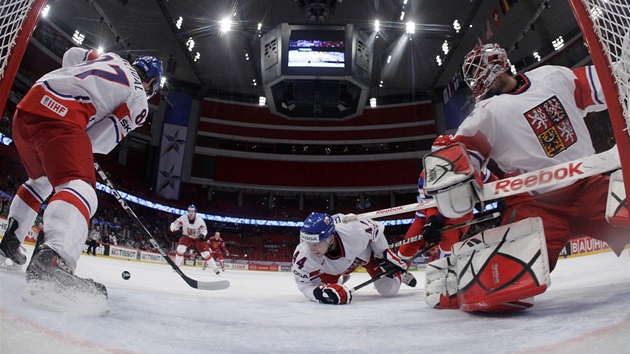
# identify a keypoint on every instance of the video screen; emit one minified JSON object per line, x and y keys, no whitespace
{"x":309,"y":49}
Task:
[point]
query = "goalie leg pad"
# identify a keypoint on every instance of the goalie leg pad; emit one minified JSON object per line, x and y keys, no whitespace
{"x":617,"y":203}
{"x":440,"y":284}
{"x":503,"y":265}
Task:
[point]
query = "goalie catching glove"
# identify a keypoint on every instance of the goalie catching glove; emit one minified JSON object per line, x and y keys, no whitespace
{"x":333,"y":294}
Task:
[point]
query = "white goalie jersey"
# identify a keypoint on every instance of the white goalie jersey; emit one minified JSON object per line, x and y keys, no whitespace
{"x":358,"y":242}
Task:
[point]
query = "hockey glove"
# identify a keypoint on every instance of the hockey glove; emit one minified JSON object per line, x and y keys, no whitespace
{"x":333,"y":294}
{"x":391,"y":261}
{"x":431,"y":231}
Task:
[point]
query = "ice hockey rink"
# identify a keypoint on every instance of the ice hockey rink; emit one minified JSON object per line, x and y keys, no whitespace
{"x":586,"y":310}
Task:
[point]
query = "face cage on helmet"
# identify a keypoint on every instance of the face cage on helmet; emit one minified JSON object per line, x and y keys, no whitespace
{"x":482,"y":67}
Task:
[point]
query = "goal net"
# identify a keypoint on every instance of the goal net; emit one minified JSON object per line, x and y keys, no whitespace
{"x":17,"y":21}
{"x":605,"y":25}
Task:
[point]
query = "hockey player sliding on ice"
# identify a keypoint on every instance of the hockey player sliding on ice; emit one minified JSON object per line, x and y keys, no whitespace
{"x":330,"y":249}
{"x":428,"y":222}
{"x":217,"y":246}
{"x":524,"y":123}
{"x":87,"y":106}
{"x":194,"y":232}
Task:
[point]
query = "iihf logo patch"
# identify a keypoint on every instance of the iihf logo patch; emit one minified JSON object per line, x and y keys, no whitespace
{"x":54,"y":106}
{"x":552,"y":126}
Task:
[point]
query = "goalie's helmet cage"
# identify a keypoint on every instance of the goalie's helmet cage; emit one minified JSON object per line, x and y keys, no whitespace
{"x":152,"y":67}
{"x":482,"y":66}
{"x":317,"y":227}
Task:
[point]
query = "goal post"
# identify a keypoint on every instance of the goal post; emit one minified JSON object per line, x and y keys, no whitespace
{"x":605,"y":26}
{"x":17,"y":22}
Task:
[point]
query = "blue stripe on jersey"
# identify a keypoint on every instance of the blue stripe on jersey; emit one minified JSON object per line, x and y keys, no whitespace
{"x":80,"y":197}
{"x":589,"y":70}
{"x":34,"y":192}
{"x":78,"y":98}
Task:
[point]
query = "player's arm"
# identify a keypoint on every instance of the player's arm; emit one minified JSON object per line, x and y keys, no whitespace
{"x":110,"y":130}
{"x":76,"y":55}
{"x":589,"y":95}
{"x":307,"y":276}
{"x":176,"y":225}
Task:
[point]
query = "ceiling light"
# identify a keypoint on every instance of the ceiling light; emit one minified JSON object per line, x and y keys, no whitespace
{"x":439,"y":60}
{"x":457,"y":26}
{"x":262,"y":100}
{"x":558,"y":43}
{"x":190,"y":44}
{"x":377,"y":25}
{"x":226,"y":24}
{"x":179,"y":22}
{"x":411,"y":28}
{"x":536,"y":55}
{"x":445,"y":48}
{"x":45,"y":10}
{"x":372,"y":102}
{"x":78,"y":37}
{"x":197,"y":57}
{"x":402,"y":15}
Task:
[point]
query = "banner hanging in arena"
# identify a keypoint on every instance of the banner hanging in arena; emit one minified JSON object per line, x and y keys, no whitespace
{"x":172,"y":145}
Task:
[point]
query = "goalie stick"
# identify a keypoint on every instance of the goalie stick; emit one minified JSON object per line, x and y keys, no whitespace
{"x":565,"y":172}
{"x":425,"y":249}
{"x":201,"y":285}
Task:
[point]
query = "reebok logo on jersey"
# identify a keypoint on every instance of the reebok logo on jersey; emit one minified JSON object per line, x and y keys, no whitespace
{"x":54,"y":106}
{"x":541,"y":179}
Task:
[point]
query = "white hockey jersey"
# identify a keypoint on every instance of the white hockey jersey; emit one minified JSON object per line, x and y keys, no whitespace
{"x":538,"y":126}
{"x":357,"y":240}
{"x":195,"y":229}
{"x":101,"y":92}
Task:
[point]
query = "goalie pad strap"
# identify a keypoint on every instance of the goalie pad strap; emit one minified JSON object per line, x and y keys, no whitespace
{"x":502,"y":265}
{"x":441,"y":284}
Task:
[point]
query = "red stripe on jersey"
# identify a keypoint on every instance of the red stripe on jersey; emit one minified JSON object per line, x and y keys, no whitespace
{"x":583,"y":92}
{"x":78,"y":113}
{"x":122,"y":111}
{"x":28,"y":198}
{"x":74,"y":200}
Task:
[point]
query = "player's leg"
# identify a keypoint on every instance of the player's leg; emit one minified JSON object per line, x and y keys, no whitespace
{"x":29,"y":196}
{"x":204,"y":250}
{"x":66,"y":154}
{"x":408,"y":250}
{"x":386,"y":286}
{"x":182,"y":246}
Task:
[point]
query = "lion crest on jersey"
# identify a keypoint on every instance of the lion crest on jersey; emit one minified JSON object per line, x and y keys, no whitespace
{"x":552,"y":126}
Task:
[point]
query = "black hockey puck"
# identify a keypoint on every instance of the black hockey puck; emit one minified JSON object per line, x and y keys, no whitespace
{"x":126,"y":275}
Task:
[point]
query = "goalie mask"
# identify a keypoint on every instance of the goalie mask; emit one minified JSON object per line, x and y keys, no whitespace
{"x":482,"y":66}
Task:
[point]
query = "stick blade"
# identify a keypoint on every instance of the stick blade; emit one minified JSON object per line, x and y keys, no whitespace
{"x":210,"y":285}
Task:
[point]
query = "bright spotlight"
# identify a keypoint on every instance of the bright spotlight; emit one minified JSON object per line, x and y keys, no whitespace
{"x":411,"y":28}
{"x":226,"y":24}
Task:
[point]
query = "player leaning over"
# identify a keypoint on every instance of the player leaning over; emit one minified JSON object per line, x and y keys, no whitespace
{"x":524,"y":123}
{"x":330,"y":248}
{"x":217,"y":246}
{"x":194,"y":232}
{"x":88,"y":105}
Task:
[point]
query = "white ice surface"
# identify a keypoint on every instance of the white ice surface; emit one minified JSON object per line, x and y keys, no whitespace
{"x":586,"y":310}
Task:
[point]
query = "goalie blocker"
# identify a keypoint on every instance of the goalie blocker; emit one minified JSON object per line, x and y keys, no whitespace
{"x":498,"y":270}
{"x":453,"y":181}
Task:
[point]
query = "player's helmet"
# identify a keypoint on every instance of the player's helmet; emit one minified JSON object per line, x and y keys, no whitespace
{"x":152,"y":67}
{"x":441,"y":141}
{"x":192,"y":210}
{"x":482,"y":66}
{"x":317,"y":227}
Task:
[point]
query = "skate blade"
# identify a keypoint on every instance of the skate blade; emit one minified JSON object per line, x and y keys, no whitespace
{"x":47,"y":296}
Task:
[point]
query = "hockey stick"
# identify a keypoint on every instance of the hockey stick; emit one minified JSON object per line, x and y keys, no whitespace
{"x":450,"y":227}
{"x":425,"y":249}
{"x":202,"y":285}
{"x":563,"y":173}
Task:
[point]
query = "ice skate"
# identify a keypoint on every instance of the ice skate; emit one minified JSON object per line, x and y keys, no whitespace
{"x":10,"y":245}
{"x":52,"y":285}
{"x":217,"y":272}
{"x":409,"y":280}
